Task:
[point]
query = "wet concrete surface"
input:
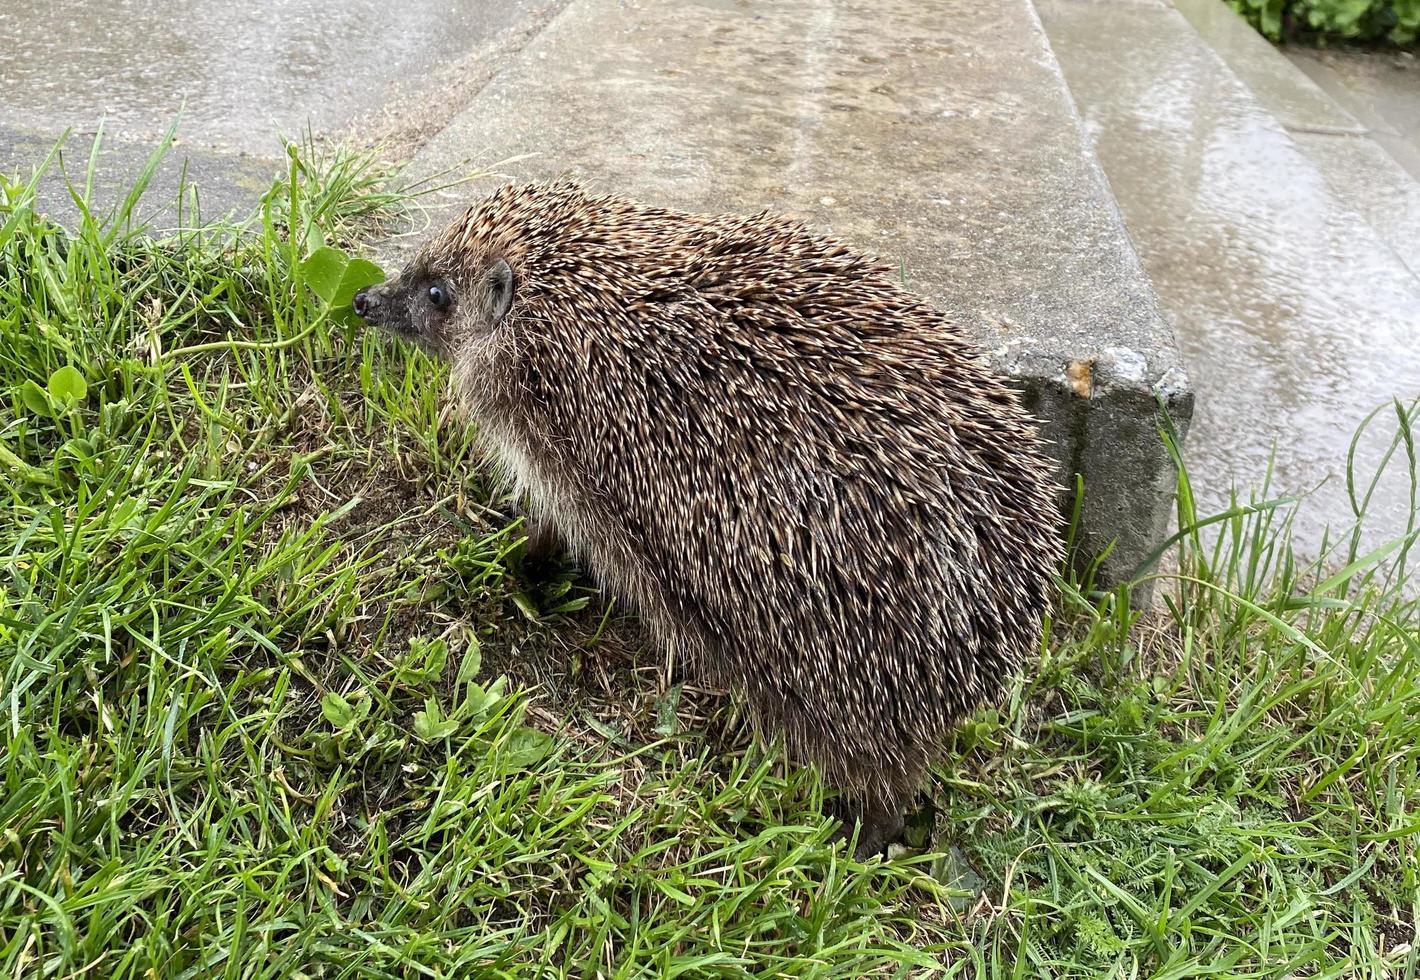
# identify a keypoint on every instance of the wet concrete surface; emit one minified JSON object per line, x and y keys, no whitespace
{"x":245,"y":70}
{"x":1362,"y":173}
{"x":1354,"y":135}
{"x":1380,"y":88}
{"x":1294,"y":316}
{"x":1295,"y":101}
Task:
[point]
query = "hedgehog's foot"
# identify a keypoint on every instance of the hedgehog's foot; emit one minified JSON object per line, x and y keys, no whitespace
{"x":541,"y":545}
{"x":878,"y":826}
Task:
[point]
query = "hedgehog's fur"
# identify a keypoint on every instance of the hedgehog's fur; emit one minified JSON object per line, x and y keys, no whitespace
{"x":809,"y":484}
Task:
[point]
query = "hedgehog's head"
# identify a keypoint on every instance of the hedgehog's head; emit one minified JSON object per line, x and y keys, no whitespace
{"x":440,"y":300}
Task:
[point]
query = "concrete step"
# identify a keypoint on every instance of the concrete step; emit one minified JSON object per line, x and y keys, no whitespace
{"x":254,"y":73}
{"x":1380,"y":90}
{"x":239,"y":73}
{"x":1296,"y":307}
{"x":939,"y":135}
{"x":1362,"y":133}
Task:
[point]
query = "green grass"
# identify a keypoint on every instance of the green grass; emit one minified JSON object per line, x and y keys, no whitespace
{"x":256,"y":599}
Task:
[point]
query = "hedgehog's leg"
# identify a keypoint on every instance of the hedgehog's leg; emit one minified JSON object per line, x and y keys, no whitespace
{"x":878,"y":823}
{"x":541,"y":544}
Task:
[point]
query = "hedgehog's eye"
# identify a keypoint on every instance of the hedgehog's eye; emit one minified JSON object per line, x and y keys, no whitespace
{"x":439,"y":296}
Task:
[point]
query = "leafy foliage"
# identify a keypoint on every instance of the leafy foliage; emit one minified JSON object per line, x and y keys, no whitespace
{"x":1393,"y":21}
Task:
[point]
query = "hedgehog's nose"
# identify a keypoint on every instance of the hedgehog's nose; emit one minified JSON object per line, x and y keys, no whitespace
{"x":366,"y":302}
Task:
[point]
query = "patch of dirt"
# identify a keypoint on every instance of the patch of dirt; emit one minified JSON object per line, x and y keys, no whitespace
{"x":590,"y":673}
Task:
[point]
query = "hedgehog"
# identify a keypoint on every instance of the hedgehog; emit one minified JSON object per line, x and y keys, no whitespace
{"x":806,"y":481}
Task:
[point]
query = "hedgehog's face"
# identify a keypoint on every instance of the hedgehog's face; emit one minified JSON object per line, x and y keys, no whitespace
{"x":436,"y":308}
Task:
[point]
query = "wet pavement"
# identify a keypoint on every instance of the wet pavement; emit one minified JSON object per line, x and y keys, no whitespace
{"x":1294,"y":316}
{"x":245,"y":70}
{"x":1345,"y":133}
{"x":1380,"y":89}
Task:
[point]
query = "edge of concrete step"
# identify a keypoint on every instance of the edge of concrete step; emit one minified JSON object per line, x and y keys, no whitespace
{"x":1402,"y":144}
{"x":940,"y":136}
{"x":1297,"y":318}
{"x":1281,"y":87}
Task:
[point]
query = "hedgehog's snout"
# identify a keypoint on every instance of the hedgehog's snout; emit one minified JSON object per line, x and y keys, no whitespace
{"x":368,"y":303}
{"x":411,"y":308}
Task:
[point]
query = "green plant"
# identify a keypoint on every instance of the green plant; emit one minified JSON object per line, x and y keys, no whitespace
{"x":1393,"y":21}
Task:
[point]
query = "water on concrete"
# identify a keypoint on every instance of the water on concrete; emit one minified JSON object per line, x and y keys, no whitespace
{"x":1294,"y":317}
{"x":1352,"y":133}
{"x":1379,"y":88}
{"x":245,"y":69}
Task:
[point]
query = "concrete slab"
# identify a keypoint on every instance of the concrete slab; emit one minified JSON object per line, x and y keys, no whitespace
{"x":1343,"y":110}
{"x":1294,"y":99}
{"x":1381,"y":89}
{"x":245,"y":71}
{"x":251,"y":74}
{"x":1295,"y":318}
{"x":1359,"y":170}
{"x":938,"y":135}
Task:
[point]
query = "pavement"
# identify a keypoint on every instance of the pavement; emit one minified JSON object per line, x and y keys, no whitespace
{"x":1280,"y":237}
{"x":241,"y":74}
{"x":236,"y":78}
{"x":1121,"y":203}
{"x":1380,"y":91}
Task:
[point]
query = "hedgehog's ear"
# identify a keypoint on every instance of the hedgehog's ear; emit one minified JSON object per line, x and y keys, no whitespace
{"x":499,"y":283}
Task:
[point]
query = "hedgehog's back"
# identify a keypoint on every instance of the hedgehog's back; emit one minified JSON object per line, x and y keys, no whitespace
{"x":804,"y":476}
